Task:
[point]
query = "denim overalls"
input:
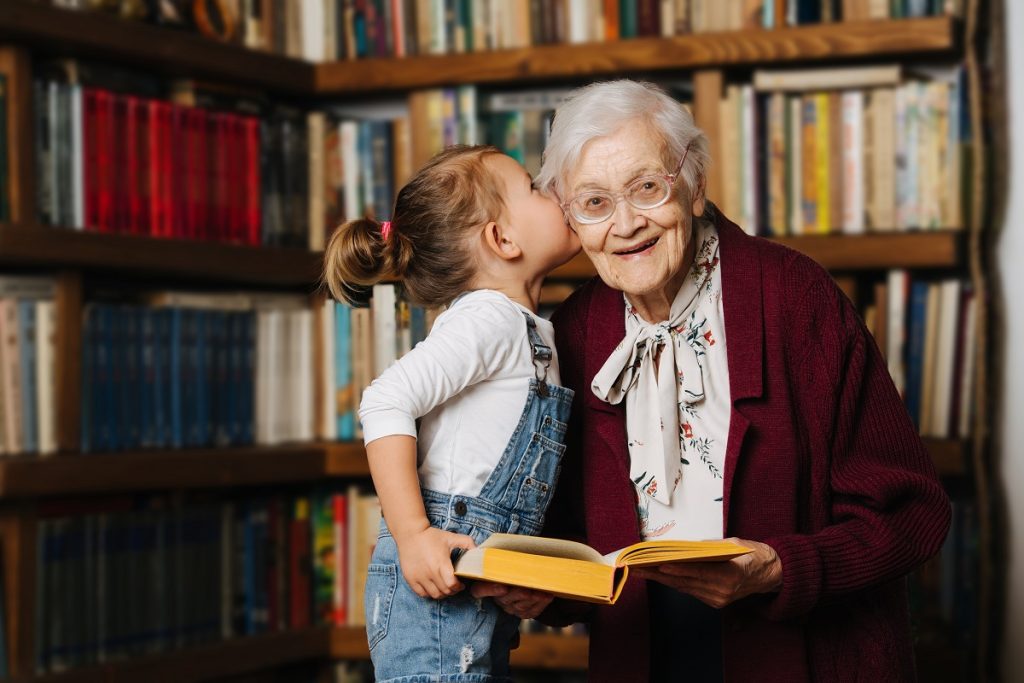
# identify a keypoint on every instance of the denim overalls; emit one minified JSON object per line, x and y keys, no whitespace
{"x":421,"y":640}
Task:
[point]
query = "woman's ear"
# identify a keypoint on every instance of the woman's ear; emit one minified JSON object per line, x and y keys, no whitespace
{"x":697,"y":209}
{"x":500,"y":243}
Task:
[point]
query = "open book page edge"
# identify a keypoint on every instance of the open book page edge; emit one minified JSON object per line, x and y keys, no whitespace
{"x":540,"y":545}
{"x":648,"y":553}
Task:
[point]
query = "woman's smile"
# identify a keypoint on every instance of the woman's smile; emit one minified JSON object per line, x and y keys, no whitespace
{"x":641,"y":249}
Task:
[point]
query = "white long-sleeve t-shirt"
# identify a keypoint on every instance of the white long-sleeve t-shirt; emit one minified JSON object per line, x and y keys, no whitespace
{"x":466,"y":384}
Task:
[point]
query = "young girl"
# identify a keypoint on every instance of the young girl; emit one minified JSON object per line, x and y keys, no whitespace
{"x":465,"y":433}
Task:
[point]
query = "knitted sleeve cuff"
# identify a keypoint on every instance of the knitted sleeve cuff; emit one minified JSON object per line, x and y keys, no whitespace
{"x":801,"y":577}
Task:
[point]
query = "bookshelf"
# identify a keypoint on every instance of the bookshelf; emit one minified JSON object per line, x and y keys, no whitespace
{"x":36,"y":31}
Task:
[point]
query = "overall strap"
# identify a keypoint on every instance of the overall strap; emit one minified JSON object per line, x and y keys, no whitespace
{"x":541,"y":355}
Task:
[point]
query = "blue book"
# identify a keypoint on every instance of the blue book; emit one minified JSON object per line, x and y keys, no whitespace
{"x":105,"y":398}
{"x":162,"y":427}
{"x":174,"y":378}
{"x":202,"y":428}
{"x":383,"y":171}
{"x":915,"y":348}
{"x":29,"y":388}
{"x":417,"y":324}
{"x":247,"y":396}
{"x":147,"y":378}
{"x":221,"y":385}
{"x":233,"y":383}
{"x":343,"y":371}
{"x":129,"y":386}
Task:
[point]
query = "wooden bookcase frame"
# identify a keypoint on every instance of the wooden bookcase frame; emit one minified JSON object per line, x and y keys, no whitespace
{"x":28,"y":29}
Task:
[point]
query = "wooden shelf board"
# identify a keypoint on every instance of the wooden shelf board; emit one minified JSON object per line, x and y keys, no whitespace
{"x":844,"y":40}
{"x":939,"y":249}
{"x":536,"y":650}
{"x":345,"y":459}
{"x":26,"y":477}
{"x":53,"y":248}
{"x":202,"y":663}
{"x":101,"y":35}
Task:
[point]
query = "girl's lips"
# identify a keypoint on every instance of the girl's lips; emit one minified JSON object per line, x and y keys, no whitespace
{"x":638,"y":249}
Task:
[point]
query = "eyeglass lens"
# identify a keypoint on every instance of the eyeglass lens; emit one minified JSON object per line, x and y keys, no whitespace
{"x":644,"y":193}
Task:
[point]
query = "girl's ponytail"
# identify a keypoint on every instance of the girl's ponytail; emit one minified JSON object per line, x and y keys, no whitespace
{"x":356,"y":255}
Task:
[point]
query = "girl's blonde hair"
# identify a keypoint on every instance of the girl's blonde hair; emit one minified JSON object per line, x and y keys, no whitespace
{"x":428,"y":246}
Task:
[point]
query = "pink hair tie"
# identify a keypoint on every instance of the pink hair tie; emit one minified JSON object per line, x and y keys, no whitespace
{"x":385,"y":230}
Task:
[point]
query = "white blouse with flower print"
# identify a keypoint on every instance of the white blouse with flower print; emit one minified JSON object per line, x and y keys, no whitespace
{"x":695,"y":509}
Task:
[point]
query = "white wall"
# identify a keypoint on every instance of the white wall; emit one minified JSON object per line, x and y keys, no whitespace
{"x":1010,"y":256}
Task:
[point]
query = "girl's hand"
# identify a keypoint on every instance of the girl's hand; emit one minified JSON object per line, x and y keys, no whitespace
{"x":426,"y":560}
{"x":721,"y":583}
{"x":519,"y":602}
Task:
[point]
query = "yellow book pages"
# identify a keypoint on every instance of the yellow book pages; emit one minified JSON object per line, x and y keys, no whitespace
{"x":649,"y":553}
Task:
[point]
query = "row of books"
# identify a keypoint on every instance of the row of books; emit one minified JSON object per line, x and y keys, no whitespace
{"x":331,"y":30}
{"x":845,"y":151}
{"x":28,"y":344}
{"x":194,"y":370}
{"x":125,"y":577}
{"x":128,"y":164}
{"x":927,"y":330}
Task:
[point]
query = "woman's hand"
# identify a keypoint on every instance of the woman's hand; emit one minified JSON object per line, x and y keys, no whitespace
{"x":519,"y":602}
{"x":721,"y":583}
{"x":426,"y":560}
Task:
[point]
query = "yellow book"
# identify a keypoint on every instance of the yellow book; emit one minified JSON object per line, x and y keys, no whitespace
{"x":575,"y":570}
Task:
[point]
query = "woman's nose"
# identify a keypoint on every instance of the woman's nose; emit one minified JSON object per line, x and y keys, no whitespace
{"x":626,"y":219}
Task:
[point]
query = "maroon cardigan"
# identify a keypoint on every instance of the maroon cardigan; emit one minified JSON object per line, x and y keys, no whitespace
{"x":822,"y":463}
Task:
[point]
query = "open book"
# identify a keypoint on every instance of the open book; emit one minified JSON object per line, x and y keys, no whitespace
{"x":577,"y":571}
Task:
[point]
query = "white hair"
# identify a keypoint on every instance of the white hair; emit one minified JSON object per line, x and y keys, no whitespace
{"x":601,"y":109}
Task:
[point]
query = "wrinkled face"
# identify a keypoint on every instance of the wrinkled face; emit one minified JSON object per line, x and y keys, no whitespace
{"x":545,"y":238}
{"x":637,"y":251}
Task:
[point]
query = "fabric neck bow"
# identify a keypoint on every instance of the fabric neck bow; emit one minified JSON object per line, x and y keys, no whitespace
{"x":656,"y":370}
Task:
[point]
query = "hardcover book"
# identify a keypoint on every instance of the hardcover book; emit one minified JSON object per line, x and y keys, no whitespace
{"x":575,"y":570}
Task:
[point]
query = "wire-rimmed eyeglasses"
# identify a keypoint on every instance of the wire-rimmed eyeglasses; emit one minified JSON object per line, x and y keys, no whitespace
{"x":644,"y":193}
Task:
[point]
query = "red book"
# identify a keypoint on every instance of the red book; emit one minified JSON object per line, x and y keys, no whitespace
{"x":178,"y":142}
{"x":105,"y":172}
{"x":648,"y":18}
{"x":253,"y":183}
{"x":198,"y":175}
{"x":131,"y":169}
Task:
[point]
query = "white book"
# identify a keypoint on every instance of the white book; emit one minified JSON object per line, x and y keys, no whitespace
{"x":362,"y":358}
{"x":77,"y":159}
{"x":839,"y":78}
{"x":385,"y":340}
{"x":949,"y":308}
{"x":350,"y":169}
{"x":303,"y":416}
{"x":898,"y":287}
{"x":668,"y":19}
{"x":268,"y":350}
{"x":46,"y":376}
{"x":853,"y":160}
{"x":748,"y":159}
{"x":311,"y":27}
{"x":469,"y":131}
{"x":328,"y":409}
{"x":579,"y":22}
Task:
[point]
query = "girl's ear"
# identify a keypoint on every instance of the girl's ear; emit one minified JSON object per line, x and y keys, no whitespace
{"x":500,"y":243}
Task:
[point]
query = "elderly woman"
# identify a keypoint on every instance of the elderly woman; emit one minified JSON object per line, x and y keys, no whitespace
{"x":724,"y":387}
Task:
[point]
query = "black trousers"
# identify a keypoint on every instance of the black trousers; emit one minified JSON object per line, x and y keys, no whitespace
{"x":686,"y":637}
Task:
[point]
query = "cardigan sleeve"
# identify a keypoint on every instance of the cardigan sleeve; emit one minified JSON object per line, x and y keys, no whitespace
{"x":888,"y":512}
